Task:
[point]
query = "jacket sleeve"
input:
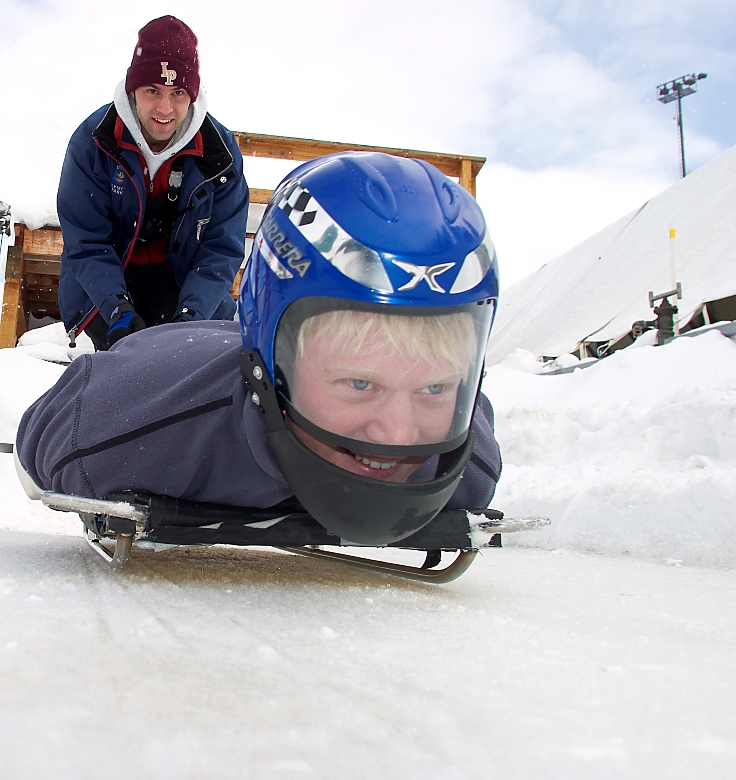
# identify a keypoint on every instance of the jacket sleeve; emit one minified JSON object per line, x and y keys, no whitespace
{"x":162,"y":412}
{"x":45,"y":432}
{"x":84,"y":207}
{"x":222,"y":249}
{"x":482,"y":473}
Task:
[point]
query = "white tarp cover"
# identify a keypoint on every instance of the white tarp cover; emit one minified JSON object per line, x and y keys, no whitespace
{"x":599,"y":288}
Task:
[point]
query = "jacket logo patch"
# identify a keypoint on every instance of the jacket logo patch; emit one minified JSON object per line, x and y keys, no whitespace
{"x":167,"y":74}
{"x":118,"y":177}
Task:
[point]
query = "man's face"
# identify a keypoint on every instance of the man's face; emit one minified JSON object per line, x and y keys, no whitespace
{"x":380,"y":395}
{"x":161,"y":111}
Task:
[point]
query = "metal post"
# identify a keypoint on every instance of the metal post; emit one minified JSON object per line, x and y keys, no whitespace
{"x":682,"y":134}
{"x":677,"y":89}
{"x":665,"y":322}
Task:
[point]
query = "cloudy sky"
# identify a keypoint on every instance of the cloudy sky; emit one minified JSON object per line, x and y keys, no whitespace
{"x":559,"y":95}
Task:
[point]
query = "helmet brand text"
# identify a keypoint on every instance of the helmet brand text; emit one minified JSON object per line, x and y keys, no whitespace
{"x":283,"y":248}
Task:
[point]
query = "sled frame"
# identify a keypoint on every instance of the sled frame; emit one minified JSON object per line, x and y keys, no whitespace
{"x":118,"y":556}
{"x":112,"y":526}
{"x":439,"y":577}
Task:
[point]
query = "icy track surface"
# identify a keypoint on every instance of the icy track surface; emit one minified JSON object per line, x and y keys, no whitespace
{"x":255,"y":664}
{"x":602,"y":648}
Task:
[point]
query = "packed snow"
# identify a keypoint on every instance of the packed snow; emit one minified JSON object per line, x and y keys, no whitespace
{"x":633,"y":455}
{"x":599,"y":288}
{"x":601,"y":647}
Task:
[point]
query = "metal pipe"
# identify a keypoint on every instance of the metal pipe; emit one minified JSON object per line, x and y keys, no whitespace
{"x":682,"y":134}
{"x":93,"y":506}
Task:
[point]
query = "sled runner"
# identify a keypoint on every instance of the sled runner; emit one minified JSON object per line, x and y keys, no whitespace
{"x":114,"y":525}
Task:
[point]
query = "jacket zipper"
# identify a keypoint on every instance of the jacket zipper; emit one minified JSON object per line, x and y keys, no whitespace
{"x":189,"y":202}
{"x":72,"y":333}
{"x":200,"y":224}
{"x":201,"y":184}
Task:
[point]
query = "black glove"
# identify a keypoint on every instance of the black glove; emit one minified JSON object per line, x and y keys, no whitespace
{"x":185,"y":315}
{"x":123,"y":322}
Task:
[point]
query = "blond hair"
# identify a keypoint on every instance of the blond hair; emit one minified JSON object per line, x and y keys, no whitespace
{"x":438,"y":339}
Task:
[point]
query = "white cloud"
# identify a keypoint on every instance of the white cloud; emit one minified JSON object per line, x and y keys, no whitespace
{"x":540,"y":88}
{"x":534,"y":217}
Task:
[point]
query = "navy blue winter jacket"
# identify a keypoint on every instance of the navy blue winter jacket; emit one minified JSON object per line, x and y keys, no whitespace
{"x":166,"y":412}
{"x":101,"y":203}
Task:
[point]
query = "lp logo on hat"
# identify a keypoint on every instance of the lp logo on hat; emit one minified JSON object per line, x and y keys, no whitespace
{"x":167,"y":74}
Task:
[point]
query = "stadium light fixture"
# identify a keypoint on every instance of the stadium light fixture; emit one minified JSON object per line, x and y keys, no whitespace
{"x":677,"y":89}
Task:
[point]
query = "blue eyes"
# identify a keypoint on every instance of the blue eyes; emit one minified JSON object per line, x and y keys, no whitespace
{"x":364,"y":384}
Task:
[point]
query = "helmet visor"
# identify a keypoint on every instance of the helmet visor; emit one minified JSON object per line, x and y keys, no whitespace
{"x":389,"y":380}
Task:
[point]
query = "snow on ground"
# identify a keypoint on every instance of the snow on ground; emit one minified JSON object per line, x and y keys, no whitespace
{"x":633,"y":455}
{"x":220,"y":664}
{"x":603,"y":647}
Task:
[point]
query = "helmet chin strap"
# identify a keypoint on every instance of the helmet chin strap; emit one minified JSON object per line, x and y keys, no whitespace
{"x":359,"y":509}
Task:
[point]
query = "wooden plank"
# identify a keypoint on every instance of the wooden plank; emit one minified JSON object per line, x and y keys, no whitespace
{"x":467,"y":178}
{"x":9,"y":320}
{"x":235,"y":289}
{"x":24,"y":311}
{"x":44,"y":241}
{"x":41,"y":282}
{"x":34,"y":295}
{"x":20,"y":230}
{"x":260,"y":196}
{"x":14,"y":265}
{"x":48,"y":266}
{"x":303,"y":149}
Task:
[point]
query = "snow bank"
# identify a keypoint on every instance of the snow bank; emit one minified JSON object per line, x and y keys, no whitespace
{"x":600,"y":287}
{"x":51,"y":343}
{"x":633,"y":455}
{"x":24,"y":379}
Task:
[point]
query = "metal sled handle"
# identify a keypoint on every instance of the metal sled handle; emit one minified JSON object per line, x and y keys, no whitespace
{"x":93,"y":506}
{"x":459,"y":566}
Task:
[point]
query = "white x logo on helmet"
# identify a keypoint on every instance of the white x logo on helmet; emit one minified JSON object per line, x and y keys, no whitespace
{"x":426,"y":272}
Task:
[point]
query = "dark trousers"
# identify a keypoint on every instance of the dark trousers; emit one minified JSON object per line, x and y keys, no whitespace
{"x":155,"y":296}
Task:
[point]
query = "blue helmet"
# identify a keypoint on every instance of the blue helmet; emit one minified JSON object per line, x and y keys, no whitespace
{"x":371,"y":278}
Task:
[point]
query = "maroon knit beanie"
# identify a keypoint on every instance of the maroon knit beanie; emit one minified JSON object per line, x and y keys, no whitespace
{"x":166,"y":54}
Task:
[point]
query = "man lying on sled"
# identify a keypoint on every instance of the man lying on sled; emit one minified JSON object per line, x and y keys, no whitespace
{"x":351,"y":382}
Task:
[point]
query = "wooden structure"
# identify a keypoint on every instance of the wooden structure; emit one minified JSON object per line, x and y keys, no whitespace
{"x":33,"y":266}
{"x":461,"y":167}
{"x":31,"y":280}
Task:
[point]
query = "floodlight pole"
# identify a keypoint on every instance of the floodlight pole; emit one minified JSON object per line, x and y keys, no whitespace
{"x":682,"y":134}
{"x":677,"y":89}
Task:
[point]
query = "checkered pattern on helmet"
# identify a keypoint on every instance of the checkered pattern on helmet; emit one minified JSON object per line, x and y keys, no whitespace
{"x":314,"y":223}
{"x":299,"y":206}
{"x":336,"y":245}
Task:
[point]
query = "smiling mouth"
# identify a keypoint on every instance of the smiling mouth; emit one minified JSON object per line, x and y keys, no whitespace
{"x":375,"y":464}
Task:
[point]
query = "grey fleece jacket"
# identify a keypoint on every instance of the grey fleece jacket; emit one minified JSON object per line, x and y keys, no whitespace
{"x":166,"y":412}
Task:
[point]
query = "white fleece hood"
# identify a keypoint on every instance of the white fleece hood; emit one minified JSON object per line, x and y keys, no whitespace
{"x":125,"y":106}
